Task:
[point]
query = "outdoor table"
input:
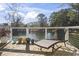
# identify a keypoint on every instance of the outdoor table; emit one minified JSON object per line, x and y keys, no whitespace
{"x":47,"y":44}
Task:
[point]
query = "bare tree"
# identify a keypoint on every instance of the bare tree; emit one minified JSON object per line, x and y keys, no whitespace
{"x":42,"y":19}
{"x":12,"y":15}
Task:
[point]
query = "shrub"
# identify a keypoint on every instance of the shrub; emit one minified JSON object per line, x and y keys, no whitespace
{"x":4,"y":32}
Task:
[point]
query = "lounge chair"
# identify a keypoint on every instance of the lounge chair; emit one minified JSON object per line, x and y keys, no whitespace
{"x":47,"y":44}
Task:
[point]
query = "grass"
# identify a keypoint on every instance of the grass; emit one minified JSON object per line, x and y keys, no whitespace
{"x":74,"y":40}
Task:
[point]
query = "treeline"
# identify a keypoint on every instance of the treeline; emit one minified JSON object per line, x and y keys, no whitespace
{"x":63,"y":17}
{"x":66,"y":17}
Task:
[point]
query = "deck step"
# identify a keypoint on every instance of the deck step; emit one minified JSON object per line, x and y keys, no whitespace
{"x":4,"y":45}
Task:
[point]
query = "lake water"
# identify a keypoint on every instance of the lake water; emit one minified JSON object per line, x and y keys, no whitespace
{"x":36,"y":36}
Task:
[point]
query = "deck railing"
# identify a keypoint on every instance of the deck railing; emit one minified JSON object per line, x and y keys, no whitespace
{"x":46,"y":28}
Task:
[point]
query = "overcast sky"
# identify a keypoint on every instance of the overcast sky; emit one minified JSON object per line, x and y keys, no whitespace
{"x":30,"y":10}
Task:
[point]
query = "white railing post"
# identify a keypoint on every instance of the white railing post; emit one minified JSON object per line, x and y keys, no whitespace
{"x":27,"y":32}
{"x":10,"y":33}
{"x":67,"y":34}
{"x":45,"y":33}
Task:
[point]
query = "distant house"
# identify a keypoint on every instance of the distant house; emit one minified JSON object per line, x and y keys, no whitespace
{"x":17,"y":25}
{"x":33,"y":24}
{"x":4,"y":25}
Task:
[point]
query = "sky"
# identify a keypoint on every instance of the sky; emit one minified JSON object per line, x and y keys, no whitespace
{"x":29,"y":11}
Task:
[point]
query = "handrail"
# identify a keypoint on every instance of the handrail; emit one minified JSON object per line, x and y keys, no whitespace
{"x":69,"y":27}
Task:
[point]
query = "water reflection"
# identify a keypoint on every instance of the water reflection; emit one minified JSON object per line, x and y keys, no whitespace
{"x":34,"y":34}
{"x":37,"y":34}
